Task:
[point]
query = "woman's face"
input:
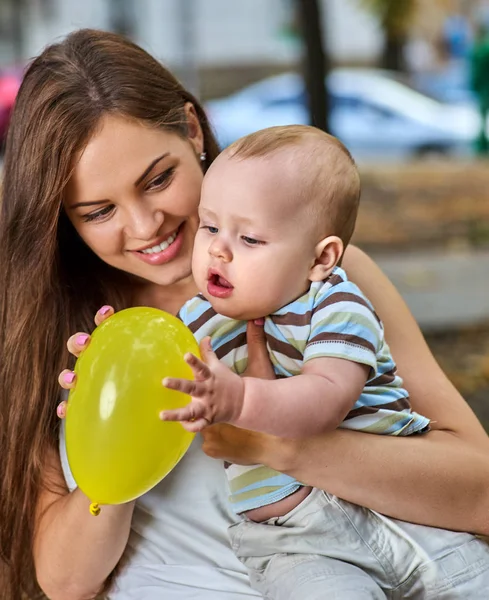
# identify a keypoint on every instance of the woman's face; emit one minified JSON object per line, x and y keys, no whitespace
{"x":133,"y":198}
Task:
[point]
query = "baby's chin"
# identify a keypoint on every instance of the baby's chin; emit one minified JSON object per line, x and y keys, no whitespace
{"x":226,"y":308}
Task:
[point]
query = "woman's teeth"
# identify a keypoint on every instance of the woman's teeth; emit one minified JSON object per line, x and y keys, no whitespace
{"x":160,"y":247}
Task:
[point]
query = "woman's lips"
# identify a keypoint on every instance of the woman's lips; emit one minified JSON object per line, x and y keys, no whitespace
{"x":166,"y":255}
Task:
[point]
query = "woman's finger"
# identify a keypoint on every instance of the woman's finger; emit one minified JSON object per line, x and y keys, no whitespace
{"x":67,"y":379}
{"x":77,"y":343}
{"x":259,"y":363}
{"x":103,"y":314}
{"x":235,"y":445}
{"x":61,"y":409}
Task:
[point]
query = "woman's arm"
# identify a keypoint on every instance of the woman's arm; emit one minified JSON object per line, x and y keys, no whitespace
{"x":439,"y":479}
{"x":74,"y":552}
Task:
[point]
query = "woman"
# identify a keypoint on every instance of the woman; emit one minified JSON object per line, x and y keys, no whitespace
{"x":102,"y":177}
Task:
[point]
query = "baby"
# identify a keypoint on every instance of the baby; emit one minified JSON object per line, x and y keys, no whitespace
{"x":277,"y":211}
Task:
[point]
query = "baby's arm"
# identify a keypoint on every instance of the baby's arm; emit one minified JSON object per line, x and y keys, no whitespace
{"x":314,"y":402}
{"x":311,"y":403}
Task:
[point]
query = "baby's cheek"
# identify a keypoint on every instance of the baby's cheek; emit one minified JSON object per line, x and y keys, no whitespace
{"x":199,"y":263}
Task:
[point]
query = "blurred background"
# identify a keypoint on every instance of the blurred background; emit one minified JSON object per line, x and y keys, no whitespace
{"x":403,"y":83}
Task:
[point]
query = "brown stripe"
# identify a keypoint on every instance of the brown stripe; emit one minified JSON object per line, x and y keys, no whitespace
{"x":334,"y":279}
{"x":363,"y":410}
{"x":284,"y":348}
{"x":202,"y":320}
{"x":293,"y":319}
{"x":345,"y":297}
{"x":385,"y":378}
{"x":396,"y":406}
{"x":326,"y":336}
{"x":341,"y":297}
{"x":232,"y":344}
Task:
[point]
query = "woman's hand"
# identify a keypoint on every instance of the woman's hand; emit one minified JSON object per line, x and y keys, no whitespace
{"x":259,"y":363}
{"x":230,"y":443}
{"x":76,"y":344}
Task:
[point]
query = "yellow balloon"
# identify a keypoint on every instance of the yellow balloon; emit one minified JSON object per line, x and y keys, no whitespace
{"x":117,"y":446}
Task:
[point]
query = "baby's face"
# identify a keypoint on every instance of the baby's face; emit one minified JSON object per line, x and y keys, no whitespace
{"x":255,"y":244}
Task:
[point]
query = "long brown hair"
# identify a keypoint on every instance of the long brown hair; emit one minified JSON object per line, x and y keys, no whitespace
{"x":51,"y":284}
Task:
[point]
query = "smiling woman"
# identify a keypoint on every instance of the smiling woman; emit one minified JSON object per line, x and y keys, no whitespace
{"x":134,"y":205}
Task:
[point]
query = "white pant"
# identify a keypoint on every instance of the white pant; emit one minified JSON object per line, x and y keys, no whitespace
{"x":326,"y":548}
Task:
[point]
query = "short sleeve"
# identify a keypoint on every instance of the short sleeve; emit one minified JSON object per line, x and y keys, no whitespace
{"x":69,"y":479}
{"x":344,"y":325}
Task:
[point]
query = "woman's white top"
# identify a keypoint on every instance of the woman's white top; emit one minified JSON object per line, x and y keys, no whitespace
{"x":179,"y":548}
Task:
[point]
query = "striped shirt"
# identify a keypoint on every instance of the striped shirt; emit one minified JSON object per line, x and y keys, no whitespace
{"x":332,"y":319}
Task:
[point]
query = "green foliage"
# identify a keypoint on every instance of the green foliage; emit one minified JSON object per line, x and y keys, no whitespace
{"x":395,"y":16}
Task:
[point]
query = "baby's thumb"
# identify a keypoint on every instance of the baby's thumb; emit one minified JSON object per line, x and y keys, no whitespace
{"x":206,"y":351}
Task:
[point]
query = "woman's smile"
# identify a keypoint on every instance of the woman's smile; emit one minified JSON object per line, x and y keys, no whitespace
{"x":164,"y":250}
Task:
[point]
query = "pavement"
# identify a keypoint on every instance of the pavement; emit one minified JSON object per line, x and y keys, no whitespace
{"x":444,"y":290}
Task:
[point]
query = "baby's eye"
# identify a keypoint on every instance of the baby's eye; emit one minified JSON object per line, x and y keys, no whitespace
{"x":251,"y":241}
{"x":210,"y":229}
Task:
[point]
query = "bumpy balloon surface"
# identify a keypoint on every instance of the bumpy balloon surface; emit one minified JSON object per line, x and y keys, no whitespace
{"x":117,"y":446}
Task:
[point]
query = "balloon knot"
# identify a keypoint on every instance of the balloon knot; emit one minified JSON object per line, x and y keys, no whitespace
{"x":94,"y":509}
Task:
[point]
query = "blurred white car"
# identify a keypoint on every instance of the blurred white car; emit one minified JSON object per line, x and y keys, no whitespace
{"x":375,"y":115}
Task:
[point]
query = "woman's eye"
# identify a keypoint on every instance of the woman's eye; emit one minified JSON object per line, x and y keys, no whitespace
{"x":251,"y":241}
{"x":98,"y":214}
{"x":161,"y":181}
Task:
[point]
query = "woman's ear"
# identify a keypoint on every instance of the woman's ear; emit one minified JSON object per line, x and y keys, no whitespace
{"x":328,"y":254}
{"x":194,"y":129}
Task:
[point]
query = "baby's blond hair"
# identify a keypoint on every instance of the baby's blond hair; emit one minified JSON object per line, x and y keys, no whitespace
{"x":329,"y":181}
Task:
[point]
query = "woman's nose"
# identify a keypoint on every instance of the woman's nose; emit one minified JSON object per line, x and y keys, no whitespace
{"x":218,"y":249}
{"x":143,"y":222}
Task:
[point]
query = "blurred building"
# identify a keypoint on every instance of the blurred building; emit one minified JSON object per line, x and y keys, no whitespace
{"x":216,"y":46}
{"x":212,"y":38}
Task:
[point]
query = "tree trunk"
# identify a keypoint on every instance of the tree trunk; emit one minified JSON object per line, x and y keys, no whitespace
{"x":315,"y":64}
{"x":393,"y":53}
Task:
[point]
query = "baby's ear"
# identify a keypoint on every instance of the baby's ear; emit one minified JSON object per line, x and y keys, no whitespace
{"x":328,"y":253}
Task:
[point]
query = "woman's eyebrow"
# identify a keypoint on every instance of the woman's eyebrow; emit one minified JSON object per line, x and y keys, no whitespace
{"x":138,"y":181}
{"x":93,"y":203}
{"x":149,"y":168}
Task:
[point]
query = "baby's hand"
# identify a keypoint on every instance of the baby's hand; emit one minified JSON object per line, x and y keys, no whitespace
{"x":217,"y":393}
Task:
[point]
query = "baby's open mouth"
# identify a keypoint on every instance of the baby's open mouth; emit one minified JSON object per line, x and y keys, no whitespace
{"x":216,"y":279}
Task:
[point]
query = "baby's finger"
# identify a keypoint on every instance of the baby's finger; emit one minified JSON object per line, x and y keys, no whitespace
{"x":179,"y":414}
{"x":195,"y":426}
{"x":61,"y":409}
{"x":186,"y":386}
{"x":77,"y":343}
{"x":67,"y":379}
{"x":193,"y":411}
{"x":103,"y":314}
{"x":199,"y":368}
